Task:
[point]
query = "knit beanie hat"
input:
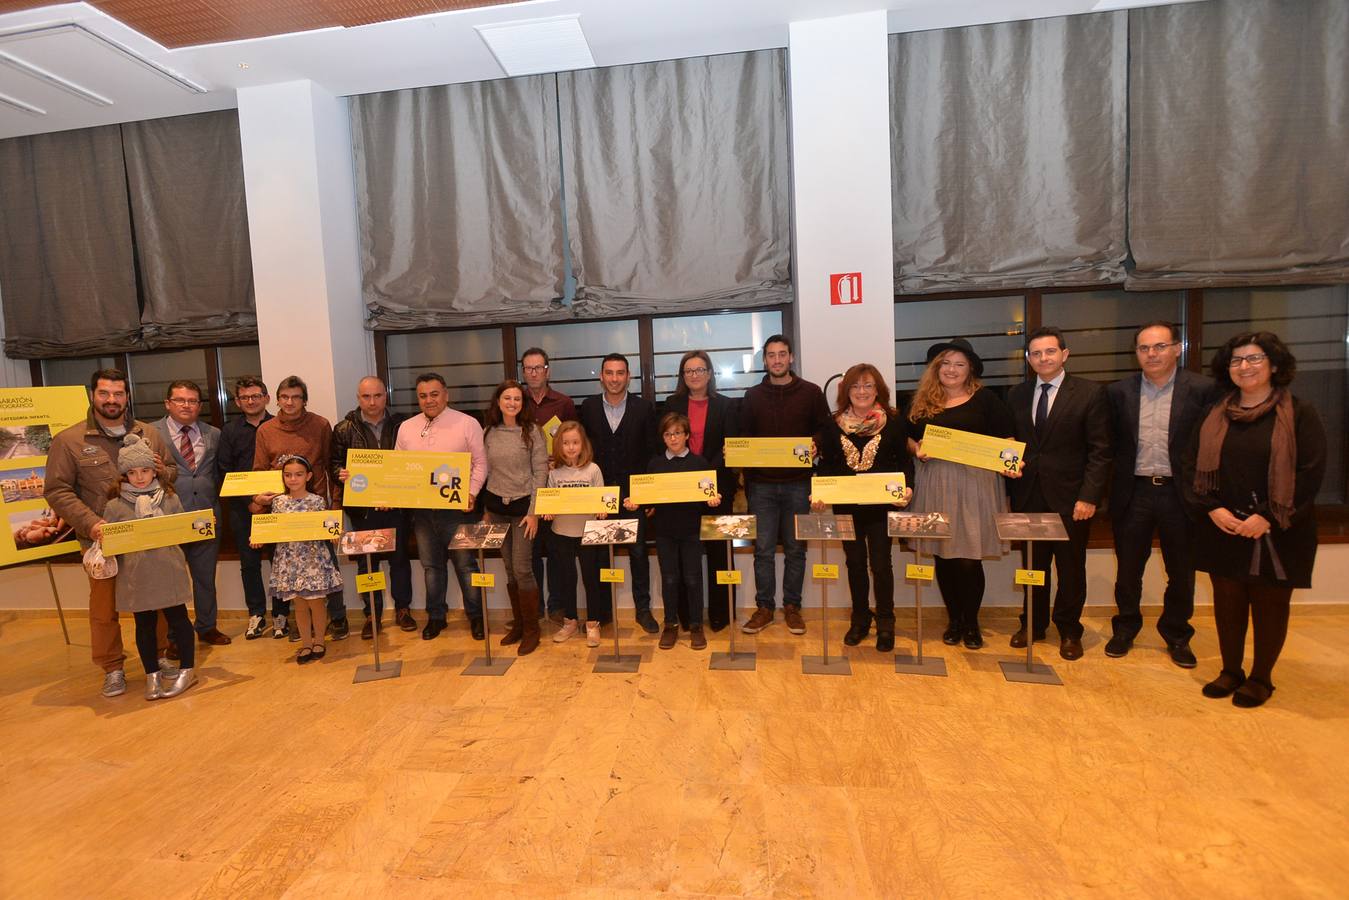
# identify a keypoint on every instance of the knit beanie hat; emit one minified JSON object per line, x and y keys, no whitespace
{"x":135,"y":454}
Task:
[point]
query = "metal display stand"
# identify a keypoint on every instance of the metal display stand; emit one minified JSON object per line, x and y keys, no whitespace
{"x":479,"y":537}
{"x":56,"y":595}
{"x":351,"y":544}
{"x":1030,"y":527}
{"x":928,"y":527}
{"x":744,"y":529}
{"x":825,"y":528}
{"x":611,"y":532}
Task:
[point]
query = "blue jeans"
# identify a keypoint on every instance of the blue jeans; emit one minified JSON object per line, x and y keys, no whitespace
{"x":775,"y":505}
{"x":400,"y":574}
{"x":250,"y":560}
{"x":434,"y":529}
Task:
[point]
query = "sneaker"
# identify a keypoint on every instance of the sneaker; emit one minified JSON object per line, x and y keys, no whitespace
{"x":669,"y":637}
{"x":762,"y":618}
{"x":256,"y":626}
{"x":566,"y":631}
{"x":278,"y":628}
{"x":791,"y":613}
{"x":592,"y":634}
{"x":168,"y":668}
{"x":114,"y":683}
{"x":339,"y":629}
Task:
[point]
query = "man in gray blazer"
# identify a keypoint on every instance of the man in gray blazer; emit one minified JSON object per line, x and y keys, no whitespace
{"x":194,"y":444}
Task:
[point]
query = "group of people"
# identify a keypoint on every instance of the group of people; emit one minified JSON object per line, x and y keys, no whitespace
{"x":1224,"y":470}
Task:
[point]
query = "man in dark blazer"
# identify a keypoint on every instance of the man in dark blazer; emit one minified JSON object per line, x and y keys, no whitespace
{"x":622,"y":431}
{"x":194,"y":444}
{"x":1065,"y":422}
{"x":1153,"y":416}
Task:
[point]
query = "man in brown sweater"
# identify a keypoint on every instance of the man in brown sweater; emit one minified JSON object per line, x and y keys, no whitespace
{"x":81,"y":467}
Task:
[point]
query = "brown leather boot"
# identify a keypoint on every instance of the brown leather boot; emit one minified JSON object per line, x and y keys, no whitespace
{"x":529,"y":611}
{"x":516,"y":629}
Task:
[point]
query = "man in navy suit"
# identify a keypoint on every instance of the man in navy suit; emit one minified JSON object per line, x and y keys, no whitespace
{"x":1153,"y":416}
{"x":1065,"y":422}
{"x":194,"y":444}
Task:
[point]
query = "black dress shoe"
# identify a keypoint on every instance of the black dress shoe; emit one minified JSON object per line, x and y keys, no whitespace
{"x":475,"y":628}
{"x":1182,"y":655}
{"x":885,"y":641}
{"x":1070,"y":648}
{"x":856,"y":634}
{"x":647,"y":621}
{"x":716,"y":626}
{"x":433,"y":628}
{"x":951,"y":636}
{"x":1118,"y":646}
{"x":1224,"y":684}
{"x":973,"y":638}
{"x":1019,"y":639}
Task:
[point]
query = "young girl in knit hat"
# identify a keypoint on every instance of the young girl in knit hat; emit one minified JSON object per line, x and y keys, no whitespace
{"x":151,"y":581}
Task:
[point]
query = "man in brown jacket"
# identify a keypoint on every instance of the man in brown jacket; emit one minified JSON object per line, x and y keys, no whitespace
{"x":81,"y":467}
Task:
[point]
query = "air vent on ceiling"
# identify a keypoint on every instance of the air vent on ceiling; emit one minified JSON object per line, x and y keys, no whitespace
{"x":538,"y":45}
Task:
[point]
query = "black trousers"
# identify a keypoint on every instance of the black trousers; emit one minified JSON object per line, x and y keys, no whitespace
{"x":563,"y":553}
{"x":1069,"y":559}
{"x":1154,"y":509}
{"x":180,"y":627}
{"x":871,"y":550}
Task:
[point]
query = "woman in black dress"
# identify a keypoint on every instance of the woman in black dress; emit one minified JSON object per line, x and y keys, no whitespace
{"x":1261,"y":455}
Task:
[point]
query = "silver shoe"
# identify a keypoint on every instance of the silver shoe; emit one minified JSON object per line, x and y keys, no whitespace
{"x":152,"y":689}
{"x":167,"y":668}
{"x":114,"y":683}
{"x":179,"y":683}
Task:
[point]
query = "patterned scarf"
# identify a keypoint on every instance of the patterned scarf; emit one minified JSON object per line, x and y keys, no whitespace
{"x":147,"y":500}
{"x":862,"y":426}
{"x":1282,"y":448}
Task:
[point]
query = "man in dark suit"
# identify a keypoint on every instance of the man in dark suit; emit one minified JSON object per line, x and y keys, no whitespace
{"x":622,"y":430}
{"x":1153,"y":415}
{"x":194,"y":445}
{"x":1065,"y":422}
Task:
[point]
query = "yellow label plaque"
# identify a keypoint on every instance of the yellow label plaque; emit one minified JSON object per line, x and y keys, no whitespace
{"x":611,"y":576}
{"x":482,"y":579}
{"x":970,"y":449}
{"x":407,"y":479}
{"x":829,"y":572}
{"x":918,"y":573}
{"x":366,"y":584}
{"x":728,"y":577}
{"x":550,"y":431}
{"x":768,"y":453}
{"x":1033,"y":577}
{"x":585,"y":500}
{"x":276,"y":528}
{"x":872,"y":487}
{"x":673,"y":487}
{"x":158,"y":531}
{"x":250,"y":484}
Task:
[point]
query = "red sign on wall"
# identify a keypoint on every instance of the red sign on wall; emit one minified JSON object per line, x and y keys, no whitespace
{"x":845,"y":288}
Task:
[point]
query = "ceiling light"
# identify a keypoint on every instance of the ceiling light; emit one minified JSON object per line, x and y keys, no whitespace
{"x":537,"y":46}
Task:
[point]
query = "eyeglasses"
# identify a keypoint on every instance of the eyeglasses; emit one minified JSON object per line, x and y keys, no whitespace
{"x":861,"y":388}
{"x":533,"y":370}
{"x":675,"y":433}
{"x":181,"y":401}
{"x":698,"y":371}
{"x":1254,"y":359}
{"x":1145,"y":349}
{"x":249,"y":398}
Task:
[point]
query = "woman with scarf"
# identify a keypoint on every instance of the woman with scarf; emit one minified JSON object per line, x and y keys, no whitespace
{"x":1261,"y":455}
{"x":866,"y":435}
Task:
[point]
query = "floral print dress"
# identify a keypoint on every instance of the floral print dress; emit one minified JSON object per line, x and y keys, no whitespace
{"x":302,"y":568}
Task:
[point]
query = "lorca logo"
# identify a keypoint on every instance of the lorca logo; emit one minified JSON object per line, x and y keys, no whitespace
{"x":446,"y":479}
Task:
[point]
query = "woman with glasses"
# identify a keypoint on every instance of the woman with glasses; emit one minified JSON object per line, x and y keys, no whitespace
{"x":712,"y":417}
{"x":866,"y":435}
{"x":1259,"y":460}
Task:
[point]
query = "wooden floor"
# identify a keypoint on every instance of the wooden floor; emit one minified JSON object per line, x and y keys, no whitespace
{"x":271,"y":780}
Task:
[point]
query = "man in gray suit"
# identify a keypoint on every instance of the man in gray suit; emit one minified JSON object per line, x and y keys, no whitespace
{"x":194,"y":444}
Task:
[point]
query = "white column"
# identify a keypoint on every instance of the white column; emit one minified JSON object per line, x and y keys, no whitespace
{"x":838,"y":78}
{"x":302,"y":225}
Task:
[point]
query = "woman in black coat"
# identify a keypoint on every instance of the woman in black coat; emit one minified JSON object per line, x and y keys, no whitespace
{"x":713,"y":419}
{"x":1259,"y":460}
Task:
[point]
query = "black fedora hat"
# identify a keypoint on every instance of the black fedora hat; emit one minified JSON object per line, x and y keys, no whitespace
{"x":976,"y":364}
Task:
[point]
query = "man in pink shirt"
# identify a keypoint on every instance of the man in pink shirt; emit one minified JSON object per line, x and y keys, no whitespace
{"x":439,"y":429}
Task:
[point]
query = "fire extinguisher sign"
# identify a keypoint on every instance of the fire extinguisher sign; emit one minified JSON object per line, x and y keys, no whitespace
{"x":845,"y":288}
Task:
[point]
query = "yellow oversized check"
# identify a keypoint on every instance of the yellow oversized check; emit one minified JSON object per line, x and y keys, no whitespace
{"x":673,"y":487}
{"x":563,"y":500}
{"x":970,"y":449}
{"x":869,"y":487}
{"x":768,"y":453}
{"x":407,"y":479}
{"x":276,"y":528}
{"x":158,"y":531}
{"x":250,"y":484}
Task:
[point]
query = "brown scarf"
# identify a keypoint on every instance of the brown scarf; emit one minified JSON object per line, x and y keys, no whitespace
{"x":1282,"y":448}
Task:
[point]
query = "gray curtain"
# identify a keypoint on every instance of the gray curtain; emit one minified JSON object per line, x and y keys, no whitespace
{"x":1008,"y":154}
{"x":1239,"y":143}
{"x":67,"y":274}
{"x":459,"y":194}
{"x":186,"y":183}
{"x":677,"y":184}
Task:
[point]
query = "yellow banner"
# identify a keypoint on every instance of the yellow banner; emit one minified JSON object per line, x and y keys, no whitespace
{"x":725,"y":577}
{"x":158,"y":531}
{"x":970,"y":449}
{"x":871,"y":487}
{"x":276,"y":528}
{"x":919,"y":573}
{"x":1032,"y":577}
{"x":673,"y":487}
{"x":367,"y":584}
{"x":827,"y":572}
{"x":250,"y":484}
{"x":482,"y":579}
{"x":550,"y":430}
{"x":407,"y":479}
{"x":586,"y":500}
{"x":611,"y":576}
{"x":29,"y":417}
{"x":768,"y":453}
